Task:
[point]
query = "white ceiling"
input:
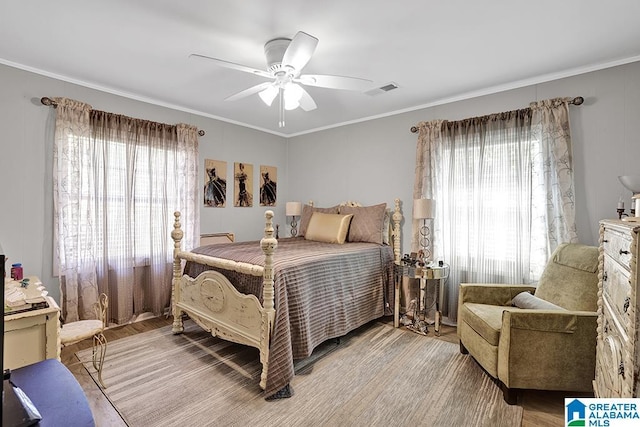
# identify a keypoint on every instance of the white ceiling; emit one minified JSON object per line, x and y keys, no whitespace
{"x":435,"y":51}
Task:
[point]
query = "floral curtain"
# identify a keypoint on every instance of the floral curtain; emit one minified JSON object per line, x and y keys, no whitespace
{"x":553,"y":173}
{"x":117,"y":183}
{"x":503,"y":186}
{"x":76,"y":265}
{"x":429,"y":140}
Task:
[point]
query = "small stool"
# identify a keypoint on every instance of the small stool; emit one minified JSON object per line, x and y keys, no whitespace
{"x":74,"y":332}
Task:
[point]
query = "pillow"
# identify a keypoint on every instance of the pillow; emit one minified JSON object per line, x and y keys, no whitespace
{"x":367,"y":223}
{"x":307,"y":211}
{"x":328,"y":228}
{"x":526,"y":300}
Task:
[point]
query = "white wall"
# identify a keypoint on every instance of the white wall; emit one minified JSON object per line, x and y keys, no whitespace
{"x":370,"y":162}
{"x":374,"y":161}
{"x":26,"y":204}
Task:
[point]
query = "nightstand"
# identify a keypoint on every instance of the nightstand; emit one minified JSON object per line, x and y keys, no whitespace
{"x":436,"y":274}
{"x":32,"y":336}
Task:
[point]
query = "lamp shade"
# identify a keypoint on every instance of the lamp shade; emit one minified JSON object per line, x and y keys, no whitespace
{"x":631,"y":182}
{"x":268,"y":95}
{"x":424,"y":208}
{"x":294,"y":209}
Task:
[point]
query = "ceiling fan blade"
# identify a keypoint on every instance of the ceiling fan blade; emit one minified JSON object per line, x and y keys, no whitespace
{"x":299,"y":51}
{"x":250,"y":91}
{"x":306,"y":101}
{"x":231,"y":65}
{"x":334,"y":82}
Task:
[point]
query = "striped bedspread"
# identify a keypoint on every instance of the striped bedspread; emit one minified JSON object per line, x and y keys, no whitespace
{"x":322,"y":291}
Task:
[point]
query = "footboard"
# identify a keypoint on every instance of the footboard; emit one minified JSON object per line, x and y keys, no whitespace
{"x":215,"y":304}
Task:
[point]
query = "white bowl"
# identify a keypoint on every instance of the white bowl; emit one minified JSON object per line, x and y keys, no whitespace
{"x":631,"y":182}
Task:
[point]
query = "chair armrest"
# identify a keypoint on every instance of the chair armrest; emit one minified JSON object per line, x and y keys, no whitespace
{"x":489,"y":293}
{"x":548,"y":349}
{"x":563,"y":321}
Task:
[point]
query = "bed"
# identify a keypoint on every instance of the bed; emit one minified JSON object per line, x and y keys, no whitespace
{"x":286,"y":296}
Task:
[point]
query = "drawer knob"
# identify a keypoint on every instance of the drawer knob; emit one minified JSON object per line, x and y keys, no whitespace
{"x":627,"y":300}
{"x":623,"y":252}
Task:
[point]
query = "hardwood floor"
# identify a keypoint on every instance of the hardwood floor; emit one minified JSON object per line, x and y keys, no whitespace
{"x":541,"y":408}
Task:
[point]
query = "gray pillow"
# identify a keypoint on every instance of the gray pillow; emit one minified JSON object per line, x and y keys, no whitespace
{"x":526,"y":300}
{"x":367,"y":224}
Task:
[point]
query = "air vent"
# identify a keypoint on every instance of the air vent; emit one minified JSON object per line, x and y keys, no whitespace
{"x":382,"y":89}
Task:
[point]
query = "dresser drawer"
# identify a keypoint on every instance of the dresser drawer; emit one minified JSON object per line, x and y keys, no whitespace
{"x":618,"y":246}
{"x":612,"y":370}
{"x":618,"y":346}
{"x":616,"y":289}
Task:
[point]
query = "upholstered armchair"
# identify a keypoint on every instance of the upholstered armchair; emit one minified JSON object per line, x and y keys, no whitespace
{"x":542,"y":337}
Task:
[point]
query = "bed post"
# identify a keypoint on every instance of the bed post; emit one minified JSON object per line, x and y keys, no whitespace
{"x":176,"y":235}
{"x":397,"y":218}
{"x":268,"y":245}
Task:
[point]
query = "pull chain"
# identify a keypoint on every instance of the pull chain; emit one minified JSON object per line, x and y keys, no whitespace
{"x":281,"y":96}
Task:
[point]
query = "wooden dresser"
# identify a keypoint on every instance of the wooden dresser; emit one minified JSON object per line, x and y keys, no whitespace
{"x":618,"y":352}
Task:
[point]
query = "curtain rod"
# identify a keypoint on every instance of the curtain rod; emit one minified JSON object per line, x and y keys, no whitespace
{"x":51,"y":103}
{"x":578,"y":100}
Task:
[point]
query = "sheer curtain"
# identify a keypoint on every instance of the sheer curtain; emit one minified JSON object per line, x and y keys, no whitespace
{"x":117,"y":182}
{"x":504,"y":187}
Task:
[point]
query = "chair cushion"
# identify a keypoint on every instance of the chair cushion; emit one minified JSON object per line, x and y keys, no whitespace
{"x":570,"y":278}
{"x":485,"y":319}
{"x":580,"y":257}
{"x":56,"y":393}
{"x":77,"y":331}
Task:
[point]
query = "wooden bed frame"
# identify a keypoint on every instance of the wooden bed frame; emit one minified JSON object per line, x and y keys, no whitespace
{"x":214,"y":304}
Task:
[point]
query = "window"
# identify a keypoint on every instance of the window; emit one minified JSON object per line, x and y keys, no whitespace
{"x":117,"y":183}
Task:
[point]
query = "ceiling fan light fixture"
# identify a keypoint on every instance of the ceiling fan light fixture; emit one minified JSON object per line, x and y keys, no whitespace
{"x":285,"y":60}
{"x":291,"y":105}
{"x":268,"y":95}
{"x":292,"y":92}
{"x":292,"y":95}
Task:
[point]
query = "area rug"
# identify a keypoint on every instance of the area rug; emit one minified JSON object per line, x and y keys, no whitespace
{"x":375,"y":376}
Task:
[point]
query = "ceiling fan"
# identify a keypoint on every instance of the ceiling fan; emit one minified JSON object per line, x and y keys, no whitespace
{"x":285,"y":60}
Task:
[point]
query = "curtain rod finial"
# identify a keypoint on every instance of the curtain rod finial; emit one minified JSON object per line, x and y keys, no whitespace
{"x":48,"y":101}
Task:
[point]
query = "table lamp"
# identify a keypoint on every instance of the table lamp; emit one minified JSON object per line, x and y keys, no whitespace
{"x":294,"y":209}
{"x":425,"y":210}
{"x":632,"y":183}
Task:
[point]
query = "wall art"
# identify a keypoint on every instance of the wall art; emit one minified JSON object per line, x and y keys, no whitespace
{"x":268,"y":184}
{"x":243,"y":184}
{"x":215,"y":187}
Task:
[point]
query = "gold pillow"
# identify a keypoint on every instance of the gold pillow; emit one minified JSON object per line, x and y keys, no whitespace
{"x":307,"y":211}
{"x":328,"y":228}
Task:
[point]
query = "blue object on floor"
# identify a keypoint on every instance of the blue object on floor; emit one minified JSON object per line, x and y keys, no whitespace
{"x":55,"y":392}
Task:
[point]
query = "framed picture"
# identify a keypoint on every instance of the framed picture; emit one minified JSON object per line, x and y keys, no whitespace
{"x":268,"y":184}
{"x":243,"y":184}
{"x":215,"y":183}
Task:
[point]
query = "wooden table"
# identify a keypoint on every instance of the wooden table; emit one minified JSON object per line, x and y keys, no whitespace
{"x":32,"y":336}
